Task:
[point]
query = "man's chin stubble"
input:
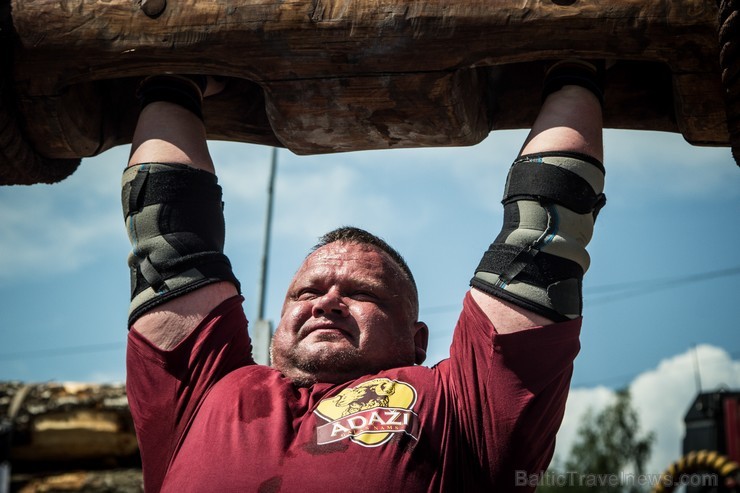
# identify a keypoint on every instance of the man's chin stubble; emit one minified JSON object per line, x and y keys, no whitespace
{"x":325,"y":367}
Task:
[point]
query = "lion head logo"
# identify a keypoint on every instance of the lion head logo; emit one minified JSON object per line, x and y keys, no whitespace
{"x":375,"y":393}
{"x":368,"y":413}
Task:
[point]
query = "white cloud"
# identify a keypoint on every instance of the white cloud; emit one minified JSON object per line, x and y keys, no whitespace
{"x":52,"y":229}
{"x":313,"y":194}
{"x":661,"y":397}
{"x":312,"y":198}
{"x":315,"y":201}
{"x":51,"y":247}
{"x":59,"y":228}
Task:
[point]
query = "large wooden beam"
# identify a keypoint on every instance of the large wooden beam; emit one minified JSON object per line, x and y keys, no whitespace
{"x":320,"y":76}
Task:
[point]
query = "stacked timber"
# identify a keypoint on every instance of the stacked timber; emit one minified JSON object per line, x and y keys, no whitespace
{"x":69,"y":437}
{"x":103,"y":481}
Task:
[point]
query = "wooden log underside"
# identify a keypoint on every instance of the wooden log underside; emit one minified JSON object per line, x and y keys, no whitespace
{"x":324,"y":76}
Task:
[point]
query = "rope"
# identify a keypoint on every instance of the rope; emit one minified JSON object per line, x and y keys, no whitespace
{"x":729,"y":35}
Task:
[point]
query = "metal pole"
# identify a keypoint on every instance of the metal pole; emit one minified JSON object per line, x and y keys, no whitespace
{"x":266,"y":239}
{"x":261,"y":330}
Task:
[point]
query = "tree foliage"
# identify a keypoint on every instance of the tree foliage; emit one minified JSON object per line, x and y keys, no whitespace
{"x":608,"y":455}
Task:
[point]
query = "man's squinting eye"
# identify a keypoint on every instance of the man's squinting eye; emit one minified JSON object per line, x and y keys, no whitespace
{"x":306,"y":294}
{"x":363,"y":295}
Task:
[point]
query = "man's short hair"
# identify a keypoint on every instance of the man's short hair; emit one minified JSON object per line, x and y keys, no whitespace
{"x":351,"y":234}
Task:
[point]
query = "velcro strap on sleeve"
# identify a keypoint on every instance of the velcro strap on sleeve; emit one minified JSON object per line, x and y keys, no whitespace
{"x":156,"y":183}
{"x":531,"y":266}
{"x":572,"y":180}
{"x":152,"y":275}
{"x":537,"y":281}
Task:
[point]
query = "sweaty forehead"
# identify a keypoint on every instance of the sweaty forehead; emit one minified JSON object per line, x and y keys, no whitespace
{"x":342,"y":258}
{"x":340,"y":254}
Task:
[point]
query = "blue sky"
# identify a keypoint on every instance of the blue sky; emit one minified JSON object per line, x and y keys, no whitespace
{"x":673,"y":213}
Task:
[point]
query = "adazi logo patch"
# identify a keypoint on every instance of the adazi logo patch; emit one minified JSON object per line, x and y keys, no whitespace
{"x":369,"y":413}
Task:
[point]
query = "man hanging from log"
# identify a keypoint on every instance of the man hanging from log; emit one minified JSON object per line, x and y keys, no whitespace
{"x":345,"y":405}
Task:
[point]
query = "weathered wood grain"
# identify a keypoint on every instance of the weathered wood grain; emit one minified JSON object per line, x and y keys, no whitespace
{"x":320,"y":76}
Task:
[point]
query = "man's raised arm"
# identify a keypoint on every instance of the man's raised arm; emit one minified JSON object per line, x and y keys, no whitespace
{"x":173,"y":211}
{"x":531,"y":275}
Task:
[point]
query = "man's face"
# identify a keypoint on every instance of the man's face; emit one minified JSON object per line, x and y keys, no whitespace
{"x":348,"y":312}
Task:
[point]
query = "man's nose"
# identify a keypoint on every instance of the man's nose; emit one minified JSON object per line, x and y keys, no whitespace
{"x":330,"y":303}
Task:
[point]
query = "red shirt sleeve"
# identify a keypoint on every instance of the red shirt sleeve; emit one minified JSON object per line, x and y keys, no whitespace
{"x":165,"y":388}
{"x":510,"y":391}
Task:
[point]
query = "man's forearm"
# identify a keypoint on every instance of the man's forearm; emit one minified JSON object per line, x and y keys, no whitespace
{"x":570,"y":120}
{"x":169,"y":133}
{"x":173,"y":211}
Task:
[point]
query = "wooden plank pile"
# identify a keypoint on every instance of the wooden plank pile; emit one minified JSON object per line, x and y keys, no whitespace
{"x":69,"y":437}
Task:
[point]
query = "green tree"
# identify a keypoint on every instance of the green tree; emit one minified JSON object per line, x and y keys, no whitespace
{"x":607,"y":444}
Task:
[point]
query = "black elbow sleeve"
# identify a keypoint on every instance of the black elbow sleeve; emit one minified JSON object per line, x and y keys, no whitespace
{"x":174,"y":219}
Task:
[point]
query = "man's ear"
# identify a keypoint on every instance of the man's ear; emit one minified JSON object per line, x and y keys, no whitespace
{"x":421,"y":339}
